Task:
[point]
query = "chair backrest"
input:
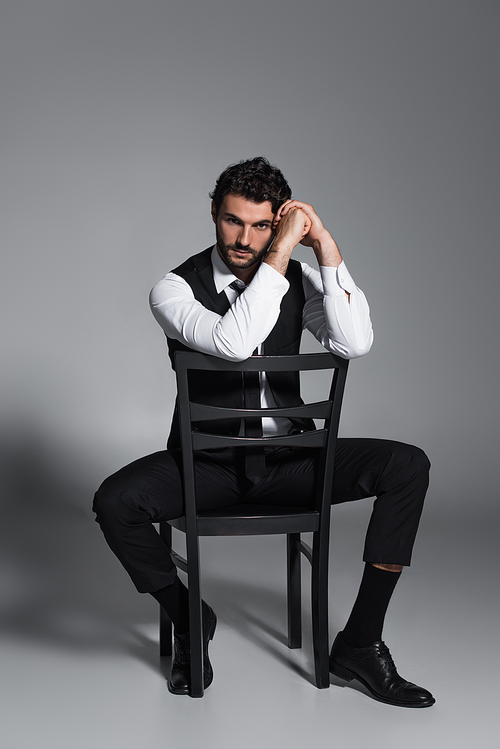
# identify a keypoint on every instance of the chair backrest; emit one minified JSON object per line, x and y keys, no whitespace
{"x":323,"y":438}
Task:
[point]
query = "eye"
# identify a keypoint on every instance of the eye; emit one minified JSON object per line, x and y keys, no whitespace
{"x":262,"y":226}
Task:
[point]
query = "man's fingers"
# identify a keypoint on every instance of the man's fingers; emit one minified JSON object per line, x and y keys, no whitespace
{"x":282,"y":210}
{"x":307,"y":225}
{"x":295,"y":222}
{"x":286,"y":207}
{"x":289,"y":204}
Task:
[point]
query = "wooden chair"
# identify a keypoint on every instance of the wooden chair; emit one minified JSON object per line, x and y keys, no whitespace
{"x":257,"y":520}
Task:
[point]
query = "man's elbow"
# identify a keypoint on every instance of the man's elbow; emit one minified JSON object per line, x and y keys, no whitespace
{"x":360,"y":349}
{"x":357,"y":353}
{"x":234,"y":351}
{"x":353,"y":350}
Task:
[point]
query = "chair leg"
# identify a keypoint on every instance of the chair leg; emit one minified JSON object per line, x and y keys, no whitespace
{"x":165,"y":633}
{"x":195,"y":617}
{"x":294,"y":591}
{"x":319,"y":603}
{"x":165,"y":623}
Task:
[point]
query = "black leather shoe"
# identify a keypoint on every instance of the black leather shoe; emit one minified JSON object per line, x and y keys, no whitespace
{"x":180,"y":676}
{"x":374,"y":667}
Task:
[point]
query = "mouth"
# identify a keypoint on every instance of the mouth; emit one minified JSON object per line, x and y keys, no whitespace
{"x":242,"y":253}
{"x":240,"y":257}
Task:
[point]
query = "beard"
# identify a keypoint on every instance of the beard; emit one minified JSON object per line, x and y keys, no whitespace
{"x":254,"y":256}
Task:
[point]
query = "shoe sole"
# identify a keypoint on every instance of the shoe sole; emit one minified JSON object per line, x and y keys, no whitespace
{"x":210,"y":679}
{"x":346,"y":675}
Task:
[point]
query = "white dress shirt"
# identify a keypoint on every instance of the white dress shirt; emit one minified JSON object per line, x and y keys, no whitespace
{"x":340,"y":324}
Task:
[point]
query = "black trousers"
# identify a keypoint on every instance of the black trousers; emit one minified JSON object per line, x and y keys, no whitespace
{"x":149,"y":490}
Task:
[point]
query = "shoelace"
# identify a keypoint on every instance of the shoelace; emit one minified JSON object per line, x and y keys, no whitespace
{"x":182,"y":653}
{"x":385,"y":655}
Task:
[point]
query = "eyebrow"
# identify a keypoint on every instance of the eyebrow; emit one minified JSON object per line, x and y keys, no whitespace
{"x":262,"y":221}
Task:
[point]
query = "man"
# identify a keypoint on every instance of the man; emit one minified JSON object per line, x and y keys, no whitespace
{"x":242,"y":294}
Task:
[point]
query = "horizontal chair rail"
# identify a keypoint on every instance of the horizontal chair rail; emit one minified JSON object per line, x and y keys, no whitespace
{"x":319,"y":410}
{"x":263,"y":363}
{"x":203,"y":441}
{"x":179,"y":561}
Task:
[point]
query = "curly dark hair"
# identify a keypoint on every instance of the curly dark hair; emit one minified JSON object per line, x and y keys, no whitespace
{"x":255,"y":179}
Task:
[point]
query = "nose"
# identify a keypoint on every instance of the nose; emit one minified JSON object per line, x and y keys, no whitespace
{"x":244,"y":236}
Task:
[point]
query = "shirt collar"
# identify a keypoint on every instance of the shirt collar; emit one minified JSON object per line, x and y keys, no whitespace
{"x":222,"y":275}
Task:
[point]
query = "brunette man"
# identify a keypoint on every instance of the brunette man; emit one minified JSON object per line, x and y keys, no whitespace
{"x":242,"y":294}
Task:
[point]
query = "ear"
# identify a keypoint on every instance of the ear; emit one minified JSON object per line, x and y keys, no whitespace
{"x":213,"y":211}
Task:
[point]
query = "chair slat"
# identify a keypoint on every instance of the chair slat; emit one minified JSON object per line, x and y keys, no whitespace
{"x":318,"y":410}
{"x":204,"y":441}
{"x":322,"y":360}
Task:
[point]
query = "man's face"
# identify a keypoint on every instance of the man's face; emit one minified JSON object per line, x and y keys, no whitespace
{"x":244,"y":231}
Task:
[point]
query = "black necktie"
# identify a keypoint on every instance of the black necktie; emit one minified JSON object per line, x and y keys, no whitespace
{"x":255,"y":463}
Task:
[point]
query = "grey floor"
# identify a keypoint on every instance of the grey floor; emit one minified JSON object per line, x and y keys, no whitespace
{"x":79,"y":652}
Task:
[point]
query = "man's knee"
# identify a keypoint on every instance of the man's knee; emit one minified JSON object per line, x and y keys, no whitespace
{"x":404,"y":455}
{"x":408,"y":465}
{"x":132,"y":497}
{"x":411,"y":469}
{"x":113,"y":502}
{"x":417,"y":458}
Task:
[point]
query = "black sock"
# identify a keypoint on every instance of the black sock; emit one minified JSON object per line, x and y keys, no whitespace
{"x":174,"y":599}
{"x":364,"y":626}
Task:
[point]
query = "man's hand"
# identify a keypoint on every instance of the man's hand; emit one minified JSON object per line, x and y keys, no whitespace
{"x":291,"y":229}
{"x":316,"y":236}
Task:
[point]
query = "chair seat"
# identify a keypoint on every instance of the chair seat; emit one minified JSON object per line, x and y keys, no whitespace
{"x":252,"y":520}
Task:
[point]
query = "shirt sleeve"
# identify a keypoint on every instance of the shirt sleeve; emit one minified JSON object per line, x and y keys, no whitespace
{"x":341,"y":325}
{"x":233,"y":336}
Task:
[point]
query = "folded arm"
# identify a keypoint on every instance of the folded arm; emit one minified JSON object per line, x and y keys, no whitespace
{"x":336,"y":311}
{"x":233,"y":336}
{"x":342,"y":326}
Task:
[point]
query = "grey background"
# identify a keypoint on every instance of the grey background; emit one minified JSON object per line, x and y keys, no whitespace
{"x":116,"y":119}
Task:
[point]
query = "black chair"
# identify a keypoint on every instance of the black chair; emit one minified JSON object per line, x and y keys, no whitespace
{"x":257,"y":520}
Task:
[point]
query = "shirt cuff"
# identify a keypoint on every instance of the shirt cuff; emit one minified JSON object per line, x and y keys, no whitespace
{"x":337,"y":280}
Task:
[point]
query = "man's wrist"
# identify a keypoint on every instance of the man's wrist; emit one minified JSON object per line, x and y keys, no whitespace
{"x":278,"y":259}
{"x":278,"y":256}
{"x":327,"y":252}
{"x":282,"y":247}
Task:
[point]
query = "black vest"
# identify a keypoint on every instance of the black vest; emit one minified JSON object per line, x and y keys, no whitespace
{"x":225,"y":388}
